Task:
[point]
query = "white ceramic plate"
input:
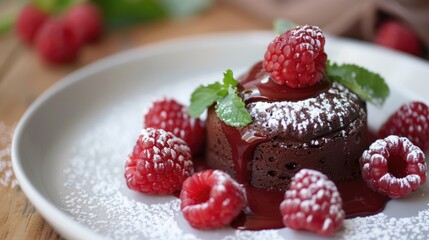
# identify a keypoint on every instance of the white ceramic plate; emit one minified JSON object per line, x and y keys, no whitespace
{"x":70,"y":147}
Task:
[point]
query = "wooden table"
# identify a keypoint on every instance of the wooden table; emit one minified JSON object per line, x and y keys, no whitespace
{"x":23,"y":77}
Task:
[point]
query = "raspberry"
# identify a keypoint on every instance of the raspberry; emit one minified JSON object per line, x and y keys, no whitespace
{"x":312,"y":202}
{"x":56,"y":43}
{"x":28,"y":22}
{"x":159,"y":163}
{"x":86,"y":21}
{"x":211,"y":199}
{"x":411,"y":121}
{"x":172,"y":116}
{"x":297,"y":58}
{"x":393,"y":166}
{"x":395,"y":35}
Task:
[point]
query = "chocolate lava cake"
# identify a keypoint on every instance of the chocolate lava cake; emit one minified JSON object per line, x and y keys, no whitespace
{"x":322,"y":127}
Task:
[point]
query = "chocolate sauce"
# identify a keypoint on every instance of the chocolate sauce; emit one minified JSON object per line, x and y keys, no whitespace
{"x":243,"y":144}
{"x":359,"y":200}
{"x":263,"y":211}
{"x":257,"y":85}
{"x":263,"y":205}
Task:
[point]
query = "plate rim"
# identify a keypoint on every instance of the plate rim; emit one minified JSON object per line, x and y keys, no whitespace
{"x":57,"y":218}
{"x":62,"y":222}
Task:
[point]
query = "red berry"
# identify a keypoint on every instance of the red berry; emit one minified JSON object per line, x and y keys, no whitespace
{"x":159,"y":163}
{"x":395,"y":35}
{"x":173,"y":117}
{"x":86,"y":21}
{"x":297,"y":58}
{"x":211,"y":199}
{"x":28,"y":22}
{"x":56,"y":43}
{"x":312,"y":203}
{"x":393,"y":166}
{"x":411,"y":121}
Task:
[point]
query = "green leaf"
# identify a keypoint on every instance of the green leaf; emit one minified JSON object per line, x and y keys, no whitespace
{"x":228,"y":79}
{"x":368,"y":85}
{"x":232,"y":110}
{"x":281,"y":26}
{"x":120,"y":13}
{"x":55,"y":6}
{"x":203,"y":97}
{"x":6,"y":23}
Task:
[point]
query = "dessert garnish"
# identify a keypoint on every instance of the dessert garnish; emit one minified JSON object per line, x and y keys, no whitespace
{"x":159,"y":163}
{"x":313,"y":203}
{"x":299,"y":110}
{"x":229,"y":106}
{"x":171,"y":116}
{"x":394,"y":166}
{"x":296,"y":59}
{"x":211,"y":199}
{"x":411,"y":120}
{"x":367,"y":85}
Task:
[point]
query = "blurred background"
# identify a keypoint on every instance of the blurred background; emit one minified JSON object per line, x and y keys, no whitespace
{"x":41,"y":41}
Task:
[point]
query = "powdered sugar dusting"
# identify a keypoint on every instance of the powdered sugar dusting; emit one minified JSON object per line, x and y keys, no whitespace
{"x":7,"y":178}
{"x":310,"y":118}
{"x":381,"y":226}
{"x":95,"y":193}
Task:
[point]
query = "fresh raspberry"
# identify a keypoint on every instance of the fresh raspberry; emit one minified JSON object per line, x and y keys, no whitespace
{"x":159,"y":163}
{"x":56,"y":43}
{"x":393,"y":166}
{"x":297,"y":58}
{"x":86,"y":21}
{"x":395,"y":35}
{"x":211,"y":199}
{"x":172,"y":116}
{"x":313,"y":203}
{"x":28,"y":22}
{"x":411,"y":121}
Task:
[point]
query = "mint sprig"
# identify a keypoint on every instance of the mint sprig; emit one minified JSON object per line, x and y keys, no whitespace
{"x":230,"y":108}
{"x":368,"y":85}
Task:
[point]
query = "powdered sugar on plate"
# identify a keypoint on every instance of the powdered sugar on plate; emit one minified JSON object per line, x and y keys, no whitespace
{"x":94,"y":192}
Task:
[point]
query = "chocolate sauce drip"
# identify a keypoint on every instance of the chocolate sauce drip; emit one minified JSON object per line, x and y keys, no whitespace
{"x":243,"y":144}
{"x":263,"y":205}
{"x":257,"y":85}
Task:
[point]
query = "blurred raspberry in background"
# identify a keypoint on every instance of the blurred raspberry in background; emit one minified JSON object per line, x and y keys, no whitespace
{"x":397,"y":24}
{"x":396,"y":35}
{"x":59,"y":28}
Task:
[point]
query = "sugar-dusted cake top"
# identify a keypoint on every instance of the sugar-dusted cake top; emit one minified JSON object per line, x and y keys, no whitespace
{"x":309,"y":118}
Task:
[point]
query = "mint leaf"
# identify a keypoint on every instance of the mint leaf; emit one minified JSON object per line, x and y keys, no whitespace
{"x":232,"y":110}
{"x":366,"y":84}
{"x":228,"y":79}
{"x":203,"y":97}
{"x":281,"y":26}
